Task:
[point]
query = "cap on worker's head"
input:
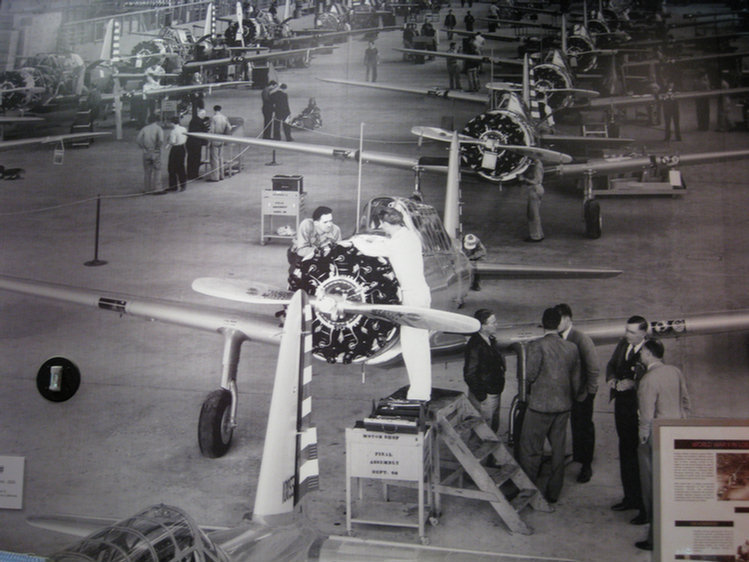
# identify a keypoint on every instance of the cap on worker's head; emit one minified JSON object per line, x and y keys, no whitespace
{"x":202,"y":113}
{"x":470,"y":241}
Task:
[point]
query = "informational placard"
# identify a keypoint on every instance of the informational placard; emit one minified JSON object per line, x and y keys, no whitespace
{"x":701,"y":495}
{"x":11,"y":482}
{"x":390,"y":456}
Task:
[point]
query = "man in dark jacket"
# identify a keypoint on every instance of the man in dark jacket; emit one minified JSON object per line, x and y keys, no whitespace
{"x":268,"y":108}
{"x":623,"y":371}
{"x":484,"y":368}
{"x":553,"y":383}
{"x":280,"y":100}
{"x":450,"y":23}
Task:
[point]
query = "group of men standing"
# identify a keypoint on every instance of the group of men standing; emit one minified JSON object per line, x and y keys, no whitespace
{"x":561,"y":383}
{"x":185,"y":153}
{"x":275,"y":111}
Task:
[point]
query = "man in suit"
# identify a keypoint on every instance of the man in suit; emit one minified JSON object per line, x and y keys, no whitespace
{"x":267,"y":108}
{"x":484,"y":368}
{"x":661,"y":393}
{"x":280,"y":100}
{"x":581,"y":415}
{"x":553,"y":383}
{"x":623,"y":371}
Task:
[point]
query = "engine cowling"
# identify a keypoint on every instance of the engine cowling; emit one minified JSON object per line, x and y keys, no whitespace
{"x":580,"y":47}
{"x":502,"y":127}
{"x":551,"y":76}
{"x":341,"y":273}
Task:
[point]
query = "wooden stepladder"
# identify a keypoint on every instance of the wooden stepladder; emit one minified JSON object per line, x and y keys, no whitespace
{"x":476,"y":451}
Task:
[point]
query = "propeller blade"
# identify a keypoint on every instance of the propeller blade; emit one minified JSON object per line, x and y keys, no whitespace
{"x":579,"y":91}
{"x":544,"y":154}
{"x":435,"y":133}
{"x":241,"y":291}
{"x":415,"y":317}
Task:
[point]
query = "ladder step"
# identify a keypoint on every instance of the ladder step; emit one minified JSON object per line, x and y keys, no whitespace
{"x":484,"y":450}
{"x":468,"y":424}
{"x":523,"y":499}
{"x":502,"y":474}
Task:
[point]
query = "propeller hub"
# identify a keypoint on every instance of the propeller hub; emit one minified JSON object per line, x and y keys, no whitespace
{"x":330,"y":294}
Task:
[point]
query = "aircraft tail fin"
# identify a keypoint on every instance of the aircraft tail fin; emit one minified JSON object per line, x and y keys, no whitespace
{"x":110,"y":48}
{"x":289,"y":468}
{"x":209,"y":26}
{"x":240,"y":22}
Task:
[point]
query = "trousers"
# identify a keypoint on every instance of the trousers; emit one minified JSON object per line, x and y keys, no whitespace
{"x":538,"y":426}
{"x":151,"y":170}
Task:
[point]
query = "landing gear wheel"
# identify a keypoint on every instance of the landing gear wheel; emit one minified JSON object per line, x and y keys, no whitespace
{"x":593,"y":221}
{"x":434,"y":520}
{"x":214,"y":426}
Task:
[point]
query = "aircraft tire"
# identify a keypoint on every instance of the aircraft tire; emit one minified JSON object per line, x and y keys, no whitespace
{"x":214,"y":429}
{"x":593,"y":221}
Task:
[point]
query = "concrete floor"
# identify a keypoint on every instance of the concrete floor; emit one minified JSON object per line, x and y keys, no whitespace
{"x":128,"y":438}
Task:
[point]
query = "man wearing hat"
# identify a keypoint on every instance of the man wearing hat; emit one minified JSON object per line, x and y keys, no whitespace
{"x":474,"y":251}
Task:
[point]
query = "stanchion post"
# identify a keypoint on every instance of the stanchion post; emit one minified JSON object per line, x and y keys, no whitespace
{"x":96,"y":261}
{"x":272,"y":162}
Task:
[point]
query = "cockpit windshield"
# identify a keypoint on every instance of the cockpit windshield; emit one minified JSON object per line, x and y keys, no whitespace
{"x":157,"y":534}
{"x":417,"y":216}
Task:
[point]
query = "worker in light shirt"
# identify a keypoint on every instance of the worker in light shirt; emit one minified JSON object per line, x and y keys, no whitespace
{"x":403,"y":248}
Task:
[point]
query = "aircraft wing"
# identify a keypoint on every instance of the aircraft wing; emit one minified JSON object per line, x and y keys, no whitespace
{"x":435,"y":91}
{"x":685,"y":60}
{"x":4,"y":120}
{"x":605,"y":332}
{"x":321,"y":34}
{"x":195,"y":65}
{"x":83,"y":526}
{"x":628,"y":163}
{"x":209,"y":318}
{"x":339,"y":153}
{"x":697,"y":39}
{"x":171,"y":90}
{"x":460,"y":56}
{"x":10,"y":144}
{"x":627,"y":101}
{"x":585,"y":142}
{"x":487,"y":36}
{"x":601,"y":165}
{"x":513,"y":271}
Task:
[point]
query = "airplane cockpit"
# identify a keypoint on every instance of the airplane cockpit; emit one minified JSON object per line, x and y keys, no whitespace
{"x":159,"y":533}
{"x":417,"y":216}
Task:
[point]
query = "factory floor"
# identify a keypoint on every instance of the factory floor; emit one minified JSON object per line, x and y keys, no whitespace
{"x":127,"y":439}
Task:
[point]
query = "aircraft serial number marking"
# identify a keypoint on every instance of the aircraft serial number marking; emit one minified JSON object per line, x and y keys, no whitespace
{"x":287,"y":491}
{"x":669,"y":327}
{"x":112,"y":304}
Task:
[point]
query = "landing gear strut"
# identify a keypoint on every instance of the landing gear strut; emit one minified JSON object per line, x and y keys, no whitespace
{"x":591,"y":209}
{"x":218,"y":415}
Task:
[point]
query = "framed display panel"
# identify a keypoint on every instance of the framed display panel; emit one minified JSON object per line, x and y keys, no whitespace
{"x":701,"y":489}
